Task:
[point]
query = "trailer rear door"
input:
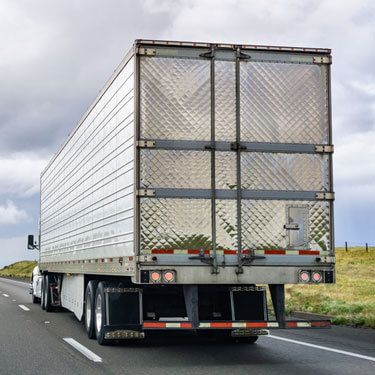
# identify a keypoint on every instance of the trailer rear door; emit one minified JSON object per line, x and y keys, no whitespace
{"x":234,"y":153}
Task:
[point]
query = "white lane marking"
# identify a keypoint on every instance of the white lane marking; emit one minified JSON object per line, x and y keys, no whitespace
{"x":5,"y":295}
{"x":23,"y":307}
{"x":13,"y":300}
{"x":82,"y":349}
{"x":10,"y":281}
{"x":323,"y":348}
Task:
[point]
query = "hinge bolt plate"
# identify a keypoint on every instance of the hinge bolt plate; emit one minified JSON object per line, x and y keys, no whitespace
{"x":325,"y":196}
{"x":145,"y":193}
{"x":147,"y":51}
{"x":322,"y":60}
{"x":146,"y":144}
{"x":324,"y":148}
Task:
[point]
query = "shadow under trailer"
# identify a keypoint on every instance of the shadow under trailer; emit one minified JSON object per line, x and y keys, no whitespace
{"x":201,"y":174}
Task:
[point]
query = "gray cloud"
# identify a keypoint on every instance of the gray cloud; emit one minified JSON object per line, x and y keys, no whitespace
{"x":58,"y":55}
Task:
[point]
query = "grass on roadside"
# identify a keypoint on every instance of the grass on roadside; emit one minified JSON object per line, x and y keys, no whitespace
{"x":351,"y":300}
{"x":20,"y":270}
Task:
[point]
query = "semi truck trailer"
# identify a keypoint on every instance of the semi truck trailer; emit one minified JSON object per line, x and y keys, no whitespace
{"x":197,"y":183}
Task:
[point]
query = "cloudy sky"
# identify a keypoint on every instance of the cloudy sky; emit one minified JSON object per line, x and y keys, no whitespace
{"x":56,"y":55}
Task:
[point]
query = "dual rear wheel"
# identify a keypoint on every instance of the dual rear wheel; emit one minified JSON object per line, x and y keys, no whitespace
{"x":95,"y":311}
{"x":45,"y":300}
{"x":96,"y":316}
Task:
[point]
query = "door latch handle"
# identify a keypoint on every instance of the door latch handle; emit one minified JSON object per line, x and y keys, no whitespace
{"x":292,"y":226}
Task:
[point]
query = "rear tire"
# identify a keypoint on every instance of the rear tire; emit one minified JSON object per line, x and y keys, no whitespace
{"x":47,"y":293}
{"x":100,"y":314}
{"x":42,"y":295}
{"x":90,"y":308}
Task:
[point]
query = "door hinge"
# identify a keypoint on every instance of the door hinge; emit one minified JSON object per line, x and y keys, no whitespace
{"x":145,"y":193}
{"x":242,"y":56}
{"x":146,"y":144}
{"x":324,"y":148}
{"x":322,"y":60}
{"x":209,"y":54}
{"x":327,"y":196}
{"x":146,"y":51}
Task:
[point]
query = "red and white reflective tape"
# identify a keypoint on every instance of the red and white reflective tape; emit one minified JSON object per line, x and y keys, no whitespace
{"x":174,"y":325}
{"x":311,"y":324}
{"x":287,"y":252}
{"x":235,"y":325}
{"x":226,"y":325}
{"x":231,"y":252}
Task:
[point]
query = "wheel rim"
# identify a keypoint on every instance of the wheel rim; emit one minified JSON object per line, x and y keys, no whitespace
{"x":88,"y":312}
{"x":98,"y":313}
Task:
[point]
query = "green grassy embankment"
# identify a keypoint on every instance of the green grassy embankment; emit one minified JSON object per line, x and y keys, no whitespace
{"x":351,"y":301}
{"x":19,"y":270}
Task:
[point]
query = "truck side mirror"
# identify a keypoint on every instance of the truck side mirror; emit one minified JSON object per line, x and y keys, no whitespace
{"x":30,"y":242}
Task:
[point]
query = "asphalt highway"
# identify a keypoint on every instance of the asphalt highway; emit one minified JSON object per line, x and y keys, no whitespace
{"x":33,"y":341}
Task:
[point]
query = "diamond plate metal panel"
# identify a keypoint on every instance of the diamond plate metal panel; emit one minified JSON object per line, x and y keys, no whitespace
{"x":175,"y":224}
{"x":175,"y":169}
{"x":225,"y":170}
{"x":271,"y":171}
{"x":225,"y":101}
{"x":284,"y":103}
{"x":263,"y":224}
{"x":175,"y":98}
{"x":226,"y":224}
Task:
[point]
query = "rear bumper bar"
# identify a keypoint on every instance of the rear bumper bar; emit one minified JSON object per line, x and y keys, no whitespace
{"x":290,"y":324}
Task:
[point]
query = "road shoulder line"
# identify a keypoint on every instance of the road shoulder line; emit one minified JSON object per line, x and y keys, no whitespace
{"x":344,"y":352}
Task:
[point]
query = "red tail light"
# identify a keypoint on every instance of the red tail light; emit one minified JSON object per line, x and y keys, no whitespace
{"x":155,"y":276}
{"x":317,"y":277}
{"x":304,"y":276}
{"x":169,"y":276}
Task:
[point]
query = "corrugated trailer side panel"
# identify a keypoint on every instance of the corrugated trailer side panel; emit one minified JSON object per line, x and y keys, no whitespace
{"x":87,"y":191}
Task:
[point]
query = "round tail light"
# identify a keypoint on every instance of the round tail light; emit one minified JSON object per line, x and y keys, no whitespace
{"x":304,"y":276}
{"x":155,"y":276}
{"x":169,"y":276}
{"x":317,"y":277}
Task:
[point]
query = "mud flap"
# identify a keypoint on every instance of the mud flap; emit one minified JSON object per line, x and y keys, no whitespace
{"x":278,"y":300}
{"x":191,"y":303}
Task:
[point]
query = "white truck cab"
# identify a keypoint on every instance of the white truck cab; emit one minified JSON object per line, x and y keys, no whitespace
{"x":36,"y":285}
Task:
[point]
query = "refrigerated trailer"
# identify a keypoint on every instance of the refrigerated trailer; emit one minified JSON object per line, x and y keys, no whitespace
{"x":200,"y":175}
